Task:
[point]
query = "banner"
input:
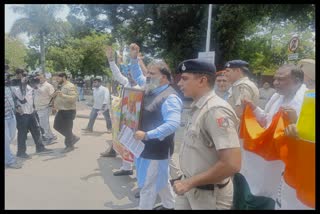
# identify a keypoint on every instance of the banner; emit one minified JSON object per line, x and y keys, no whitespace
{"x":115,"y":117}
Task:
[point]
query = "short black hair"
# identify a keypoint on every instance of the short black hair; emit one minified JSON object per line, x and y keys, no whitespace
{"x":210,"y":77}
{"x":62,"y":74}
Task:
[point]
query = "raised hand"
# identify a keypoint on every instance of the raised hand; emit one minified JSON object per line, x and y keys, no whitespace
{"x":109,"y":53}
{"x":134,"y":50}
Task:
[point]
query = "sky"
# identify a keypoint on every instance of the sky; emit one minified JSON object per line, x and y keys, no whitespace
{"x":10,"y":18}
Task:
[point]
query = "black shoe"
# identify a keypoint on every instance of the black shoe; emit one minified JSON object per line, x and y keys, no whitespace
{"x":162,"y":208}
{"x":123,"y":172}
{"x":25,"y":156}
{"x":137,"y":195}
{"x":110,"y":153}
{"x":68,"y":149}
{"x":75,"y":139}
{"x":87,"y":130}
{"x":44,"y":150}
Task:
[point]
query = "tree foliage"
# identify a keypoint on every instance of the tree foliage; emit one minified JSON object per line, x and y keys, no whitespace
{"x":85,"y":55}
{"x":38,"y":21}
{"x":15,"y":52}
{"x":178,"y":31}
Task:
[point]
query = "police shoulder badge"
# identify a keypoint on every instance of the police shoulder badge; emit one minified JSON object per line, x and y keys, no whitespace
{"x":223,"y":122}
{"x":183,"y":67}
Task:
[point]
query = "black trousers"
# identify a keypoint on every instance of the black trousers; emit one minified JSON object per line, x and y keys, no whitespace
{"x":63,"y":123}
{"x":27,"y":122}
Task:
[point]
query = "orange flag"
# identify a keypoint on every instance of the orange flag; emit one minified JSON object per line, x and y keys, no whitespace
{"x":271,"y":144}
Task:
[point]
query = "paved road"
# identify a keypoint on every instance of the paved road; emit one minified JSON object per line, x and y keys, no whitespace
{"x":76,"y":180}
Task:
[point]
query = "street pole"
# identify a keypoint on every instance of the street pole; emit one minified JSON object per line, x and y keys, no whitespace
{"x":209,"y":28}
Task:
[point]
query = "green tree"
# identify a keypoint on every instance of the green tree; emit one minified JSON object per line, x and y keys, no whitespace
{"x":15,"y":52}
{"x":39,"y":21}
{"x":85,"y":55}
{"x":176,"y":31}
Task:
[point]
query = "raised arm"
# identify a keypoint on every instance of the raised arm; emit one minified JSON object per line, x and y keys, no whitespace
{"x":136,"y":71}
{"x":114,"y":68}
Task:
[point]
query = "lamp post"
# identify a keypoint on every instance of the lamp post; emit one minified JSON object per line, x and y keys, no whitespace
{"x":209,"y":28}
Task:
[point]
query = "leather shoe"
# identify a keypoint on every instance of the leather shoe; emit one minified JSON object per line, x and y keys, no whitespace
{"x":137,"y":195}
{"x":162,"y":208}
{"x":123,"y":172}
{"x":110,"y":153}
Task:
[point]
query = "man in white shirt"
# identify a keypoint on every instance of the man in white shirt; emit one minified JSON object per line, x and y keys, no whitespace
{"x":261,"y":177}
{"x":42,"y":98}
{"x":26,"y":118}
{"x":101,"y":97}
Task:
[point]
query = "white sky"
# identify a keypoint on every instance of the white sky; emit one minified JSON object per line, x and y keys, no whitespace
{"x":10,"y":17}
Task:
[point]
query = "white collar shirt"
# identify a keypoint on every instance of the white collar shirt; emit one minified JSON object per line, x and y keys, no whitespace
{"x":101,"y":96}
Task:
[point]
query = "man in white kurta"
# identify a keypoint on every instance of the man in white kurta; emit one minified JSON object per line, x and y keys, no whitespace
{"x":263,"y":176}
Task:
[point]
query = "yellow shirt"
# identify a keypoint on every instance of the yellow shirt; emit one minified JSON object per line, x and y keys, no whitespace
{"x":68,"y":99}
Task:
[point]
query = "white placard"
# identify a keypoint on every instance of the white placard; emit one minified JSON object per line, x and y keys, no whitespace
{"x":126,"y":138}
{"x":208,"y":56}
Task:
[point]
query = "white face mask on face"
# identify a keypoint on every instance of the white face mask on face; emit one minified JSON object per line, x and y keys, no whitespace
{"x":152,"y":83}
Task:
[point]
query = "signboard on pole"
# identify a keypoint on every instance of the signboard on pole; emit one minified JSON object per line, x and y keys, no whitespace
{"x":207,"y":56}
{"x":293,"y":44}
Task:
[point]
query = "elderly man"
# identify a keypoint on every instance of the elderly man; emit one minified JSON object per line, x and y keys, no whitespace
{"x":210,"y":154}
{"x":42,"y":98}
{"x":161,"y":115}
{"x":260,"y":178}
{"x":287,"y":198}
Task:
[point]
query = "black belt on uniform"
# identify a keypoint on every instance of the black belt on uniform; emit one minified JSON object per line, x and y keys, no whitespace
{"x":211,"y":186}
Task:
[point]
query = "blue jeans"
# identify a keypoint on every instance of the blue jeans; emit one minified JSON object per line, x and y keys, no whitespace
{"x":93,"y":116}
{"x":10,"y":133}
{"x":80,"y":92}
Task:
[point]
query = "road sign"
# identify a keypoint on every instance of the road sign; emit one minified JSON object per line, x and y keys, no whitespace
{"x":208,"y":56}
{"x":293,"y":44}
{"x":293,"y":56}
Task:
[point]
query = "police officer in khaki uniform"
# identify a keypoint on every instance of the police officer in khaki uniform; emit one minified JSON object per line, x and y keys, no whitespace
{"x":210,"y":152}
{"x":237,"y":72}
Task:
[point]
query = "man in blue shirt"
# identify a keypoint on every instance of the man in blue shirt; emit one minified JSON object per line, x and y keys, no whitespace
{"x":161,"y":115}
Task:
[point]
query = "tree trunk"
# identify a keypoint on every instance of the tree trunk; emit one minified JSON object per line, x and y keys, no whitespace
{"x":42,"y":52}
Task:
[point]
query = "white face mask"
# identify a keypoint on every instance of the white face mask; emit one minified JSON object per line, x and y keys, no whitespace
{"x":152,"y":83}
